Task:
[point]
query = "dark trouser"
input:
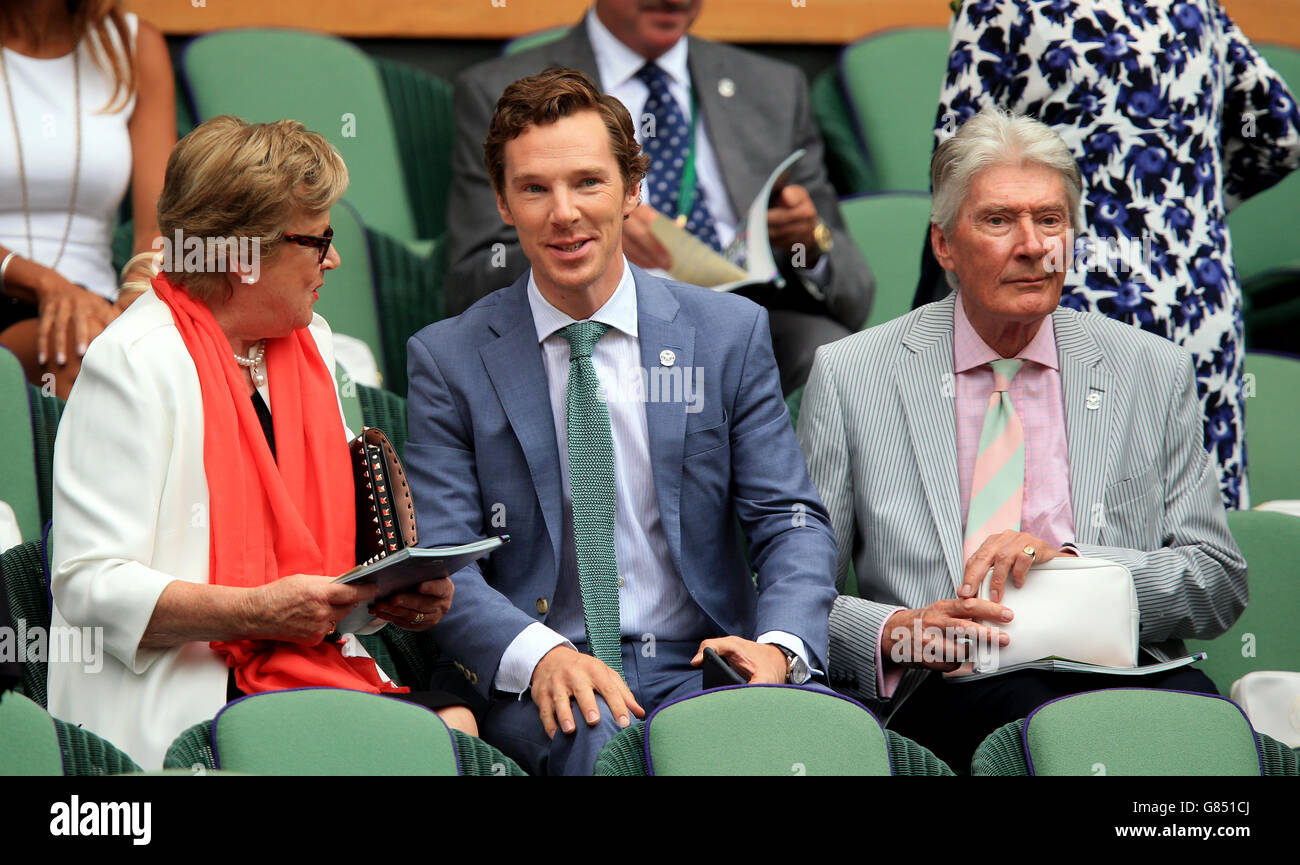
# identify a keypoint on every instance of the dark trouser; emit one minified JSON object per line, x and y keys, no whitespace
{"x":953,"y":718}
{"x":796,"y":336}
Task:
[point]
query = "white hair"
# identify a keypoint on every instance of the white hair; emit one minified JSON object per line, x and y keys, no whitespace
{"x":996,"y":137}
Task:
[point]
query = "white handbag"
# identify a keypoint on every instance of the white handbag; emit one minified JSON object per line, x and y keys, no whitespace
{"x":1271,"y":700}
{"x":1076,"y":609}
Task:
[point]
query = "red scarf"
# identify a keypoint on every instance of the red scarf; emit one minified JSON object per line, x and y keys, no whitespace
{"x":294,"y":513}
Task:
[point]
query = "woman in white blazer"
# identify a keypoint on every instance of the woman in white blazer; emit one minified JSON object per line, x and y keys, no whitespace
{"x":203,"y":492}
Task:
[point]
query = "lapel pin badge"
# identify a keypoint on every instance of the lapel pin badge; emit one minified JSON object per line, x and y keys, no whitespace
{"x":1093,"y":402}
{"x":667,"y":357}
{"x":726,"y":88}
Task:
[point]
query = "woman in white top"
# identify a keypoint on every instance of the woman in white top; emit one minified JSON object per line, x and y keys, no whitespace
{"x":86,"y":110}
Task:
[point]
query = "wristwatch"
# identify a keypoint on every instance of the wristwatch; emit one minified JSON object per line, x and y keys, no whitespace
{"x":822,"y":235}
{"x":796,"y":671}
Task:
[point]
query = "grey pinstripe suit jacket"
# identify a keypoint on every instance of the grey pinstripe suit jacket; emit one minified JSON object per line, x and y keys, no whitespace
{"x":878,"y":425}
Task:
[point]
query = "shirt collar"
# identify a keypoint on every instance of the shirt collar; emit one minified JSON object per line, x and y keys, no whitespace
{"x":619,"y":312}
{"x":969,"y":350}
{"x":617,"y":64}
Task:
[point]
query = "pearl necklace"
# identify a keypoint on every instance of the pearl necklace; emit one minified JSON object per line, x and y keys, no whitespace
{"x":253,"y":362}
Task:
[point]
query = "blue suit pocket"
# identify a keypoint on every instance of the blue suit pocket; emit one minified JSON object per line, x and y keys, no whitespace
{"x":701,"y":441}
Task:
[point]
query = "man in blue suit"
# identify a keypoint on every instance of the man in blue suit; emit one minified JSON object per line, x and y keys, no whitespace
{"x":622,"y":508}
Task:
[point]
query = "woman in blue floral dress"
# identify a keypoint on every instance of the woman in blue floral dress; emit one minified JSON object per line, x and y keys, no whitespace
{"x":1174,"y":119}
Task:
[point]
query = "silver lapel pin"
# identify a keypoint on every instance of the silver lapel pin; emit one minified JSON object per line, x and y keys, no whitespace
{"x":667,"y":358}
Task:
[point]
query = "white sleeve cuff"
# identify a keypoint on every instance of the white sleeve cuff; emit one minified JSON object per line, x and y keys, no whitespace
{"x":793,"y":643}
{"x":515,"y":672}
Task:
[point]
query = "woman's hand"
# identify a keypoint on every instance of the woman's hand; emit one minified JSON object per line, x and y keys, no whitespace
{"x":67,"y":309}
{"x":418,"y":610}
{"x":302,"y":608}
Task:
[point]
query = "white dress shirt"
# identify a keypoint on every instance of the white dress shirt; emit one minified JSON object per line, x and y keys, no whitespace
{"x":652,"y":598}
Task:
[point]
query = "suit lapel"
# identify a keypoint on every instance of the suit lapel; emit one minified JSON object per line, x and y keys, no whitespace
{"x":1089,"y":393}
{"x":926,"y":387}
{"x":514,"y":366}
{"x":722,"y":119}
{"x":658,"y":329}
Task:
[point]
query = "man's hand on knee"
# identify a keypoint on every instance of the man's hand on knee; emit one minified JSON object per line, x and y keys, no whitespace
{"x":563,"y":675}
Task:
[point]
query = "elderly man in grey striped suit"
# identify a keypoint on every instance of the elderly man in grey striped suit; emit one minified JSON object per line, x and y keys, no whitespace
{"x":931,"y":479}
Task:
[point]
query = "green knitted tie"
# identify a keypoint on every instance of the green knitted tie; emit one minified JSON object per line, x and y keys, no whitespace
{"x":591,"y":484}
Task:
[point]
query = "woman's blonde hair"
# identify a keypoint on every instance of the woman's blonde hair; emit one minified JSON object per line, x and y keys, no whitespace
{"x":228,"y":180}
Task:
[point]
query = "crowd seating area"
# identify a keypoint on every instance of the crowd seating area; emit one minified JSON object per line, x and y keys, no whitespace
{"x":390,"y":231}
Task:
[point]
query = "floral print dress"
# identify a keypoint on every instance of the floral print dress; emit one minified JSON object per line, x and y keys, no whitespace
{"x":1174,"y":119}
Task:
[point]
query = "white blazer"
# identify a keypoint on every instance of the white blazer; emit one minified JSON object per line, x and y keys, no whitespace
{"x":130,"y":513}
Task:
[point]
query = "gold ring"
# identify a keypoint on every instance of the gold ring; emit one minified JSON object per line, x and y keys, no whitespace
{"x":1031,"y":552}
{"x":419,"y":617}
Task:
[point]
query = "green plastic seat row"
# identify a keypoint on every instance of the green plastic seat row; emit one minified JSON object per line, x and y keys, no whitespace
{"x":332,"y":732}
{"x":777,"y":730}
{"x":1133,"y":731}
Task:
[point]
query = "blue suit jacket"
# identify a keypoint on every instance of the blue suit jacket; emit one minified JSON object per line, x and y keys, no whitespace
{"x":482,"y":459}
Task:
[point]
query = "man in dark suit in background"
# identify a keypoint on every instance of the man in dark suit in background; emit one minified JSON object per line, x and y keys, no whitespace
{"x":750,"y":113}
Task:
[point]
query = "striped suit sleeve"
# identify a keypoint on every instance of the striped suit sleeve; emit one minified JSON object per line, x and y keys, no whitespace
{"x":854,"y":622}
{"x":1194,"y":586}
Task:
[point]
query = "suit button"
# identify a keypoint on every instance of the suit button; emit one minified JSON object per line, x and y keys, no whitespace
{"x":542,"y":606}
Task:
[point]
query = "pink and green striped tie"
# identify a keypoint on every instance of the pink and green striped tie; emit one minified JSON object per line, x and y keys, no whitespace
{"x":998,"y":487}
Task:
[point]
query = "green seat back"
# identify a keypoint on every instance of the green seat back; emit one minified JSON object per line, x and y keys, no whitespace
{"x":422,"y":111}
{"x":25,"y":576}
{"x":886,"y":227}
{"x":1272,"y":418}
{"x":347,"y":300}
{"x":47,"y":411}
{"x":30,"y":744}
{"x":532,"y":40}
{"x":846,"y":162}
{"x":348,"y":396}
{"x":765,"y":730}
{"x":892,"y":81}
{"x":1266,"y":636}
{"x":408,"y":286}
{"x":384,"y":410}
{"x":1266,"y":228}
{"x":1140,"y":732}
{"x":18,"y":485}
{"x":326,"y":83}
{"x":330,"y":731}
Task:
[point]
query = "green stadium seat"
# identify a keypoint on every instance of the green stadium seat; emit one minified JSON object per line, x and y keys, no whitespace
{"x":1133,"y":731}
{"x":892,"y":82}
{"x":36,"y":744}
{"x":18,"y":481}
{"x":1266,"y":636}
{"x":347,"y":301}
{"x":1272,"y":418}
{"x":773,"y":730}
{"x":846,"y":160}
{"x":26,"y":583}
{"x":886,"y":228}
{"x":331,"y":732}
{"x":326,"y":83}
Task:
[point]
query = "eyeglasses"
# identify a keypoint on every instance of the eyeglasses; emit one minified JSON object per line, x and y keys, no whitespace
{"x":315,"y":241}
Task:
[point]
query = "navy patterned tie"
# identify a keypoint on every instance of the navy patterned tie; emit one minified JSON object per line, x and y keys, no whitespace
{"x":668,"y":148}
{"x":591,"y":486}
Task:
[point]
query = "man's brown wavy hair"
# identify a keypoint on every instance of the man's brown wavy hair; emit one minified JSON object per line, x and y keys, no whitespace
{"x":544,"y":98}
